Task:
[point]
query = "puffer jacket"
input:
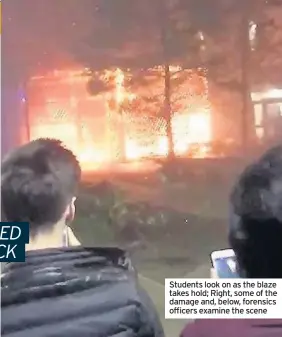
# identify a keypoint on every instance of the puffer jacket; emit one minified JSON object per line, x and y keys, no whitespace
{"x":76,"y":292}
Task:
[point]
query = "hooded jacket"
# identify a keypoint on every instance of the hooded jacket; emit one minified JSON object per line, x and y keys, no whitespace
{"x":234,"y":328}
{"x":76,"y":292}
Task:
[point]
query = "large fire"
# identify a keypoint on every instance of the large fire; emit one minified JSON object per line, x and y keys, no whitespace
{"x":60,"y":107}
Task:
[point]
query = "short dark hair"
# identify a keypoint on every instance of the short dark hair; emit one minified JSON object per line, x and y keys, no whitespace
{"x":256,"y":217}
{"x":38,"y":180}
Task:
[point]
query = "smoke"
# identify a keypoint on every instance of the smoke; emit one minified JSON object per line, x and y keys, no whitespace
{"x":44,"y":34}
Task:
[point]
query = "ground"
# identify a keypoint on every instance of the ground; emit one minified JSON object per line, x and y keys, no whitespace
{"x":169,"y":217}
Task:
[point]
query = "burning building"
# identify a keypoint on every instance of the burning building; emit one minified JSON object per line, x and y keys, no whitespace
{"x":268,"y":115}
{"x":58,"y":105}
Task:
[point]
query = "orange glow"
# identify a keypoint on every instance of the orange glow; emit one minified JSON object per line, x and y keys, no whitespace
{"x":60,"y":107}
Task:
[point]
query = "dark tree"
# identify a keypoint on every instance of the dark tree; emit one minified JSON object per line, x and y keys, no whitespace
{"x":150,"y":38}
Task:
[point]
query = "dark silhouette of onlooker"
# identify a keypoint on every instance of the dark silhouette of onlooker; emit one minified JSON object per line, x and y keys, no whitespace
{"x":255,"y":234}
{"x":63,"y":291}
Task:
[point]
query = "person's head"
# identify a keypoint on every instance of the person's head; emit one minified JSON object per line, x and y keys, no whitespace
{"x":38,"y":185}
{"x":256,"y":217}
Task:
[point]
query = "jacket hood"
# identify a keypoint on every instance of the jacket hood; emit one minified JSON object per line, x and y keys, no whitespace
{"x":54,"y":272}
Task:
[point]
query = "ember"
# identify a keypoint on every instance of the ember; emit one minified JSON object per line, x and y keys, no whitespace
{"x":60,"y":106}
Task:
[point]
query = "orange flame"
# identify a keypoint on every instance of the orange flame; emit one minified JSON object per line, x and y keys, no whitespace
{"x":188,"y":127}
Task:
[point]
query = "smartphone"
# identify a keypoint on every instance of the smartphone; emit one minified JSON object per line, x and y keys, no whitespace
{"x":224,"y":263}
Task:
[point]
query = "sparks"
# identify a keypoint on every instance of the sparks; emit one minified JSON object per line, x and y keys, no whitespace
{"x":98,"y":131}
